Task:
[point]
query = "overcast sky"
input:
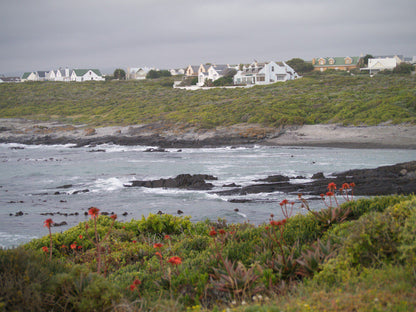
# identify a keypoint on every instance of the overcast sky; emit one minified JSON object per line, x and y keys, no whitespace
{"x":104,"y":34}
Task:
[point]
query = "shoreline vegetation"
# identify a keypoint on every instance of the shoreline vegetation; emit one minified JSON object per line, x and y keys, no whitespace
{"x":321,"y":109}
{"x":356,"y":256}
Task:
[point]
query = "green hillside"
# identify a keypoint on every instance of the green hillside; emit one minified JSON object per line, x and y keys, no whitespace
{"x":318,"y":98}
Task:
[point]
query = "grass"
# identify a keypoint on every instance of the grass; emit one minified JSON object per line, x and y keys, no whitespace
{"x":317,"y":98}
{"x":367,"y":264}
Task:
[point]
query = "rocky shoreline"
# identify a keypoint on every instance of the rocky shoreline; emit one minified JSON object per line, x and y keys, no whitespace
{"x":385,"y":180}
{"x":173,"y":136}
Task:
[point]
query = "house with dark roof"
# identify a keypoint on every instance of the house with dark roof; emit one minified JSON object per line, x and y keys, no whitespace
{"x":195,"y":70}
{"x":214,"y":72}
{"x":338,"y":63}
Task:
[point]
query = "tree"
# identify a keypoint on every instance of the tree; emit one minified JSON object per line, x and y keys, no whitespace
{"x":404,"y":68}
{"x":300,"y":66}
{"x":119,"y":74}
{"x":364,"y":60}
{"x":154,"y":74}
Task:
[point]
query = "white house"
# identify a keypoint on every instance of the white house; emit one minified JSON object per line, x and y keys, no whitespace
{"x":86,"y":75}
{"x":264,"y":73}
{"x":175,"y":72}
{"x":137,"y":73}
{"x":62,"y":75}
{"x":382,"y":63}
{"x":213,"y":73}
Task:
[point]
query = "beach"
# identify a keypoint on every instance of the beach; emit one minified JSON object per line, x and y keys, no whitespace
{"x":163,"y":135}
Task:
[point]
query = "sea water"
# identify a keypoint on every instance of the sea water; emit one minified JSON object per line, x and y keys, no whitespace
{"x":63,"y":179}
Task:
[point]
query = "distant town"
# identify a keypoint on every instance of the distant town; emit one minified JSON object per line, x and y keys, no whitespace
{"x":214,"y":75}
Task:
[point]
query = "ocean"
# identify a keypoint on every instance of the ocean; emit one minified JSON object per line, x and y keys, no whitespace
{"x":67,"y":181}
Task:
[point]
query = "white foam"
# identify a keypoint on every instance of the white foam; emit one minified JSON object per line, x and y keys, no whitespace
{"x":110,"y":184}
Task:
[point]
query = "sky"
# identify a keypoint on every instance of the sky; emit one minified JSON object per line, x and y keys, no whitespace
{"x":109,"y":34}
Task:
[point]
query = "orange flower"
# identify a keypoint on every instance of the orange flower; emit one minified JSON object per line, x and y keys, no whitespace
{"x":48,"y":223}
{"x":94,"y":212}
{"x":157,"y":245}
{"x":80,"y":237}
{"x":329,"y":194}
{"x":64,"y":246}
{"x":175,"y":260}
{"x":322,"y":195}
{"x":45,"y":249}
{"x":74,"y":246}
{"x":167,"y":237}
{"x":345,"y":186}
{"x":158,"y":254}
{"x":332,"y":186}
{"x":352,"y":184}
{"x":114,"y":217}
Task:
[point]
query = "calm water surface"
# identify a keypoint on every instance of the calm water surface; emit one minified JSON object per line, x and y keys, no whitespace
{"x":31,"y":177}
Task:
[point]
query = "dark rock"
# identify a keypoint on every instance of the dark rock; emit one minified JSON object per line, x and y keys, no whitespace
{"x":66,"y":186}
{"x":16,"y":148}
{"x":18,"y":214}
{"x":153,"y":150}
{"x":105,"y":213}
{"x":384,"y":180}
{"x":125,"y":214}
{"x":318,"y":175}
{"x":97,"y":151}
{"x":231,"y":185}
{"x":179,"y":212}
{"x":274,"y":178}
{"x":60,"y":223}
{"x":236,"y":210}
{"x":85,"y":213}
{"x":81,"y":191}
{"x":184,"y":181}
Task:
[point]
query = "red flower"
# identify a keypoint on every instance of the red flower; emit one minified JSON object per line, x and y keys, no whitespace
{"x":132,"y":287}
{"x":352,"y":184}
{"x":79,"y":247}
{"x":332,"y":186}
{"x":284,"y":202}
{"x":137,"y":282}
{"x":134,"y":242}
{"x":345,"y":186}
{"x":114,"y":217}
{"x":94,"y":212}
{"x":167,"y":237}
{"x":322,"y":195}
{"x":64,"y":246}
{"x":329,"y":194}
{"x":274,"y":223}
{"x":48,"y":223}
{"x":157,"y":245}
{"x":212,"y":233}
{"x":222,"y":232}
{"x":158,"y":254}
{"x":80,"y":237}
{"x":175,"y":260}
{"x":45,"y":249}
{"x":73,"y":246}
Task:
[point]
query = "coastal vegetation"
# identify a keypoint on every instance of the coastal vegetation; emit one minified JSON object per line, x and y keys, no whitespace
{"x":358,"y":256}
{"x":317,"y":98}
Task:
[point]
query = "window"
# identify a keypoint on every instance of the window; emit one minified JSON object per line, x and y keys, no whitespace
{"x":322,"y":61}
{"x":331,"y":61}
{"x":272,"y":68}
{"x":348,"y":60}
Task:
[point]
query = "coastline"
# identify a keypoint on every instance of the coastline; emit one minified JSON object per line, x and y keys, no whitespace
{"x":167,"y":136}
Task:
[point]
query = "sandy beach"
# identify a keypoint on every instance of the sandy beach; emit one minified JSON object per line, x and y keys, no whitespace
{"x":38,"y":132}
